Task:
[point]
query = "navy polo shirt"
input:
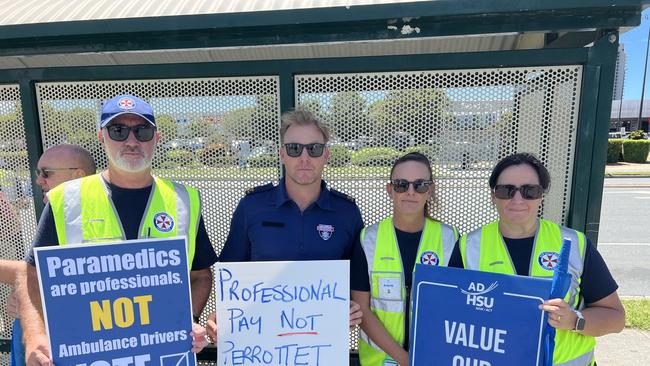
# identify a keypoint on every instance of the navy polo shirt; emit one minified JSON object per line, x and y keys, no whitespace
{"x":268,"y":226}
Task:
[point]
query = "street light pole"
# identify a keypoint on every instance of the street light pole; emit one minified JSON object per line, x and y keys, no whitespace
{"x":645,"y":70}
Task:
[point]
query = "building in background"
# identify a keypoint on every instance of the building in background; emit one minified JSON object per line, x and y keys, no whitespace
{"x":619,"y":73}
{"x":625,"y":115}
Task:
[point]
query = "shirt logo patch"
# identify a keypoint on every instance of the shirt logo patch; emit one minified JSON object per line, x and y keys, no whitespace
{"x":548,"y":260}
{"x":325,"y":231}
{"x":126,"y":103}
{"x":163,"y":222}
{"x":429,"y":258}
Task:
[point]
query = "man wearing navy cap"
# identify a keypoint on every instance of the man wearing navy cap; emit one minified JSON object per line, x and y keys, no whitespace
{"x":123,"y":202}
{"x":300,"y":218}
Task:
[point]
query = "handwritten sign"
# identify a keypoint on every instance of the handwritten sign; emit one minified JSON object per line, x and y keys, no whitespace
{"x":124,"y":303}
{"x":283,"y":313}
{"x":471,"y":318}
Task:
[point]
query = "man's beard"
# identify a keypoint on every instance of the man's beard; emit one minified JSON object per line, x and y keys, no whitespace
{"x":128,"y":164}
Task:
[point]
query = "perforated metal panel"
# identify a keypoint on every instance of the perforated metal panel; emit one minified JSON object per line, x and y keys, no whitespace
{"x":219,"y":135}
{"x":17,"y":218}
{"x":464,"y":120}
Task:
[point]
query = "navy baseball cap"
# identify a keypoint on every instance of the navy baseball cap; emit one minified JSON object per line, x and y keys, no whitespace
{"x":126,"y":104}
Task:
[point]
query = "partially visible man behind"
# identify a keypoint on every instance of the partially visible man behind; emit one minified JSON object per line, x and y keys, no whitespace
{"x":62,"y":163}
{"x":126,"y":198}
{"x":57,"y":165}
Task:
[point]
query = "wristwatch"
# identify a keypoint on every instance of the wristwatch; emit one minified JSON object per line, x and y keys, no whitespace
{"x":580,"y":322}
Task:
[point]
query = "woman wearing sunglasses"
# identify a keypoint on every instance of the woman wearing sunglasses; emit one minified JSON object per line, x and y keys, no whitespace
{"x":384,"y":260}
{"x":521,"y":243}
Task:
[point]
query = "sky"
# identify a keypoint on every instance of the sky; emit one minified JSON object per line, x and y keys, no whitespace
{"x":635,"y":42}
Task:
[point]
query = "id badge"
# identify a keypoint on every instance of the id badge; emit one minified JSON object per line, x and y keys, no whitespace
{"x":390,"y":288}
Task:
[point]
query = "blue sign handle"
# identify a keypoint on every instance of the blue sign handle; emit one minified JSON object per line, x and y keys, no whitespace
{"x":559,"y":288}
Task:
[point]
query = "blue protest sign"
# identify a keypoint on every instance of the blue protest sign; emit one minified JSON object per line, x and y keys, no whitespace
{"x":124,"y":303}
{"x":470,"y":318}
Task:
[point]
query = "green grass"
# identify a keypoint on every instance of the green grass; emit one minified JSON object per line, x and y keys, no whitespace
{"x":637,"y":313}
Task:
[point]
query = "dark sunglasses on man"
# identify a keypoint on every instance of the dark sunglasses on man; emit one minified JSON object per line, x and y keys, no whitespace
{"x":419,"y":185}
{"x":294,"y":149}
{"x":45,"y":172}
{"x":142,"y":133}
{"x":528,"y":191}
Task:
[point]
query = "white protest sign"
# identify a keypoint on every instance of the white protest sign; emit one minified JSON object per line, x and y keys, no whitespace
{"x":283,"y":313}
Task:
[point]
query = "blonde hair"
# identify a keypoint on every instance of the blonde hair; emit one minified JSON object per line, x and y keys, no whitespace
{"x":302,"y":117}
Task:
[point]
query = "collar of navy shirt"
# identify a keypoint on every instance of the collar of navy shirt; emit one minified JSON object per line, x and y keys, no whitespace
{"x":323,"y":201}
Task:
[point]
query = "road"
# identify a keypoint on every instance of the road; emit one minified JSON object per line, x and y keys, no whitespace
{"x":624,"y":236}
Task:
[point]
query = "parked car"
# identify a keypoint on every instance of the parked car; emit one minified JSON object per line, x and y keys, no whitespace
{"x":617,"y":135}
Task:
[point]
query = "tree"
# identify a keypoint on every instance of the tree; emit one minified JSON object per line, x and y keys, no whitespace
{"x":266,"y":119}
{"x":10,"y":124}
{"x":348,"y":117}
{"x":80,"y":126}
{"x":238,"y":123}
{"x":416,"y":113}
{"x":167,"y":126}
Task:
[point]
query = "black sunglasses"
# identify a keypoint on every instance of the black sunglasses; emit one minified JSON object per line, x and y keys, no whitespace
{"x":419,"y":185}
{"x":142,"y":133}
{"x":294,"y":149}
{"x":45,"y":172}
{"x":528,"y":191}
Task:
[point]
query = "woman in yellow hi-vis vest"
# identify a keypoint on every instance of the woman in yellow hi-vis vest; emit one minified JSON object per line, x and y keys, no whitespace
{"x":383,"y":263}
{"x":521,"y":243}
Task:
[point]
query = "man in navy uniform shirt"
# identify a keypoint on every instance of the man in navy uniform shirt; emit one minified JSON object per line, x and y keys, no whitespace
{"x":300,"y":218}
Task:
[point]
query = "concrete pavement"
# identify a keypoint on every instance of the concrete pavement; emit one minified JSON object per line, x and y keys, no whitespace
{"x":629,"y":169}
{"x":631,"y":347}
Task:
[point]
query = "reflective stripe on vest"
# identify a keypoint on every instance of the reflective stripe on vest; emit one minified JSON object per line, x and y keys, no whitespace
{"x":83,"y":212}
{"x":485,"y":250}
{"x":385,"y":263}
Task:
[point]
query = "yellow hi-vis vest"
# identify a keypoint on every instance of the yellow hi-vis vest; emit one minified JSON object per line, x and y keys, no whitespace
{"x":484,"y":250}
{"x":84,"y":213}
{"x":385,"y":270}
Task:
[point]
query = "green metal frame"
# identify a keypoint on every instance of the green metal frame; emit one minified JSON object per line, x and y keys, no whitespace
{"x":598,"y":62}
{"x":32,"y":136}
{"x":366,"y":22}
{"x":591,"y":146}
{"x":286,"y":69}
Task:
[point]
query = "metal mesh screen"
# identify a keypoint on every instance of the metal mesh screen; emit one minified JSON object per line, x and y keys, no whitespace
{"x":17,"y":218}
{"x":219,"y":135}
{"x":463,"y":120}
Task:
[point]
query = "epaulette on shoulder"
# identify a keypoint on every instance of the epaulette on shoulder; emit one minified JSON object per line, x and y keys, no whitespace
{"x":258,"y":189}
{"x":342,"y":195}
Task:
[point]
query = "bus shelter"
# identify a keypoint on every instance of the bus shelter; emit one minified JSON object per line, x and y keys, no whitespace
{"x":464,"y":82}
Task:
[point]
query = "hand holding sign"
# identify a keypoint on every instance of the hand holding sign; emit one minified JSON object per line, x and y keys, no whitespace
{"x":36,"y":351}
{"x":355,"y":314}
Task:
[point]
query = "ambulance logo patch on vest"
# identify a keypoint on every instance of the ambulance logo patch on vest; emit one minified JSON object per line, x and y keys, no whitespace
{"x":548,"y":260}
{"x":325,"y":231}
{"x":163,"y":222}
{"x":429,"y":258}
